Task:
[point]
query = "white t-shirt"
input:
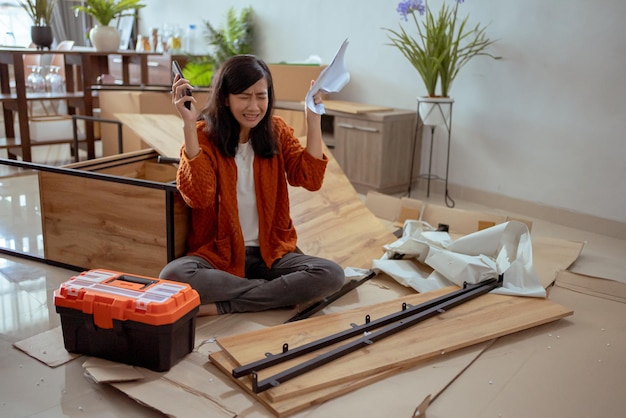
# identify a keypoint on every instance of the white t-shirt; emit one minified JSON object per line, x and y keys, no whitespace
{"x":246,"y":197}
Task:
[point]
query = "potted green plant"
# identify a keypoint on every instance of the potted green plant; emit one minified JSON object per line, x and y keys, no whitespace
{"x":40,"y":12}
{"x":102,"y":36}
{"x":234,"y":37}
{"x":441,"y":46}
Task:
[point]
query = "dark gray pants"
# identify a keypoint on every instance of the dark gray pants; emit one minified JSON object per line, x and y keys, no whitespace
{"x":294,"y":279}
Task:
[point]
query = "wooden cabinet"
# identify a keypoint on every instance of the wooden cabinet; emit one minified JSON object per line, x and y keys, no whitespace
{"x":375,"y":149}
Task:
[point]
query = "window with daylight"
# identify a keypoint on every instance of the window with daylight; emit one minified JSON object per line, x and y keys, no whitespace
{"x":15,"y":24}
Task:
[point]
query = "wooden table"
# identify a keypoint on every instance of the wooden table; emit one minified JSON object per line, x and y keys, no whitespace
{"x":79,"y":93}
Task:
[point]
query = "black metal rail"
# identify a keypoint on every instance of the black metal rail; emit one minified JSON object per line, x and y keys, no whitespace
{"x":392,"y":324}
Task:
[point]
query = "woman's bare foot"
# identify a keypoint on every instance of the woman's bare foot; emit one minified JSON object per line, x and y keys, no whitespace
{"x":208,"y":309}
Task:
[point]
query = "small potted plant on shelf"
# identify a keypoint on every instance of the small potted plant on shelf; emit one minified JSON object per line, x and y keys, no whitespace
{"x":40,"y":12}
{"x":442,"y":45}
{"x":102,"y":36}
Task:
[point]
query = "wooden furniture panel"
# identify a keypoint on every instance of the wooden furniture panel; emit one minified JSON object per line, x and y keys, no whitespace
{"x":116,"y":221}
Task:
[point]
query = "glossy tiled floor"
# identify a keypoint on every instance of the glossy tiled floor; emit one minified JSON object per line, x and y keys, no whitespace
{"x":29,"y":388}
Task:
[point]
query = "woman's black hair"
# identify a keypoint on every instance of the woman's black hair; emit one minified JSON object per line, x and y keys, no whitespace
{"x":234,"y":76}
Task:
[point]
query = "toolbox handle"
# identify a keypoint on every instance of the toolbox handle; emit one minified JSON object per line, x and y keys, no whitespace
{"x":134,"y":279}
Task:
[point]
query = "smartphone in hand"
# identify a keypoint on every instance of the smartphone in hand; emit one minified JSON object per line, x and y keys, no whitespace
{"x":177,"y":70}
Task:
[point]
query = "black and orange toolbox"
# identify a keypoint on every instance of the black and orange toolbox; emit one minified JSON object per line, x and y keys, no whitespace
{"x":128,"y":318}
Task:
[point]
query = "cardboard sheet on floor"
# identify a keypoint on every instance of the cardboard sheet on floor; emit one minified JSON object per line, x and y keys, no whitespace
{"x":187,"y":390}
{"x":594,"y":286}
{"x":552,"y":255}
{"x":47,"y":347}
{"x":568,"y":368}
{"x":105,"y":371}
{"x":399,"y":394}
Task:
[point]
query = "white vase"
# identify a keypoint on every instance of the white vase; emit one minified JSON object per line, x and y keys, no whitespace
{"x":435,"y":111}
{"x":105,"y":38}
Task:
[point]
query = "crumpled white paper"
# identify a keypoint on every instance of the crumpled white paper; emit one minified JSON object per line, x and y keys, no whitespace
{"x":331,"y":80}
{"x":502,"y":249}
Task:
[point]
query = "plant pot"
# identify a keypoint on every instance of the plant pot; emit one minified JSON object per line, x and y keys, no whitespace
{"x":435,"y":111}
{"x":41,"y":36}
{"x":105,"y":38}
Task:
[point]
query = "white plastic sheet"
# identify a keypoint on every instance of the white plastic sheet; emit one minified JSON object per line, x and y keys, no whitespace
{"x":502,"y":249}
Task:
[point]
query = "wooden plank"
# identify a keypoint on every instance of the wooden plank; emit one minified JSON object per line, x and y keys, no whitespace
{"x":164,"y":133}
{"x":482,"y":319}
{"x":334,"y":223}
{"x":354,"y":108}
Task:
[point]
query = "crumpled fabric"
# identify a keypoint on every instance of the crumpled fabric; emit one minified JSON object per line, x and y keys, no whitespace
{"x":502,"y":249}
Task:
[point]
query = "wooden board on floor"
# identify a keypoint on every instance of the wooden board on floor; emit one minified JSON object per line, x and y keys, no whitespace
{"x":482,"y":319}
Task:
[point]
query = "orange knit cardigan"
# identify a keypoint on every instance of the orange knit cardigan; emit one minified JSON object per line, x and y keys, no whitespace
{"x":208,"y":184}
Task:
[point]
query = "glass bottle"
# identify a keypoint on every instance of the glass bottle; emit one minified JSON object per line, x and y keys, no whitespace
{"x":175,"y":41}
{"x":54,"y":81}
{"x":191,"y":40}
{"x":35,"y":81}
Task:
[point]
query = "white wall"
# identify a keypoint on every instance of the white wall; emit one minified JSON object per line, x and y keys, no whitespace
{"x":545,"y":124}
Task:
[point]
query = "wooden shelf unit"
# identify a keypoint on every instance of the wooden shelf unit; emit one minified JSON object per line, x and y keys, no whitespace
{"x":82,"y":68}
